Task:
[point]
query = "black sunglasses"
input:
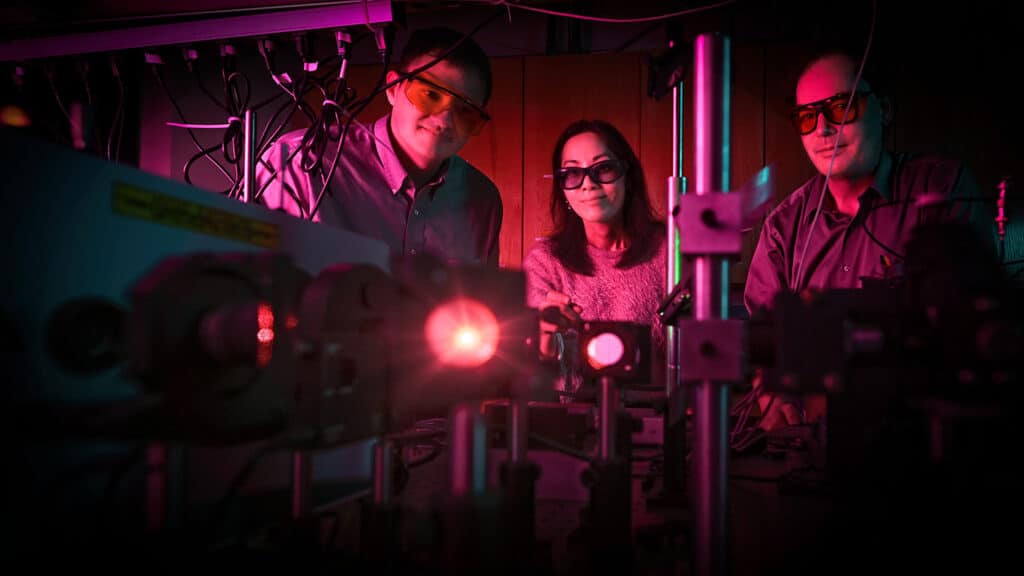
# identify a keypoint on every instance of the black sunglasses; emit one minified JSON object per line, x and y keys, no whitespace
{"x":603,"y":172}
{"x":805,"y":116}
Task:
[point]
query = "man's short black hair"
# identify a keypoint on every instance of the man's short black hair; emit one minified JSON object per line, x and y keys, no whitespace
{"x":435,"y":41}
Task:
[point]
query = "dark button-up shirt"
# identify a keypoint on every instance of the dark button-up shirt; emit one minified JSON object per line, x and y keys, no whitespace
{"x":455,"y":217}
{"x":843,"y":249}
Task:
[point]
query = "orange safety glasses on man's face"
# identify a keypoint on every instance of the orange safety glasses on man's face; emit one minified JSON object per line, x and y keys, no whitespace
{"x":805,"y":116}
{"x":432,"y":97}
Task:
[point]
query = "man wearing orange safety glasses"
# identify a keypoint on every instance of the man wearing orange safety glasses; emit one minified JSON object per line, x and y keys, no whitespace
{"x":850,"y":224}
{"x":400,"y":179}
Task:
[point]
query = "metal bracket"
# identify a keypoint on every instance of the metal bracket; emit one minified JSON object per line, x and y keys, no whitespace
{"x":710,"y":224}
{"x":712,"y":350}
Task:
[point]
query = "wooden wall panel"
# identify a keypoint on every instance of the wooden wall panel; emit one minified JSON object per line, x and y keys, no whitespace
{"x":557,"y":91}
{"x":748,"y":130}
{"x":498,"y":152}
{"x":363,"y":79}
{"x":656,"y":144}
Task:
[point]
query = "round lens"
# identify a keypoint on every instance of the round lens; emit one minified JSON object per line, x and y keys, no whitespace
{"x":607,"y":172}
{"x":467,"y":120}
{"x":605,"y":350}
{"x":462,"y":332}
{"x":837,"y":109}
{"x":805,"y":121}
{"x":569,"y":178}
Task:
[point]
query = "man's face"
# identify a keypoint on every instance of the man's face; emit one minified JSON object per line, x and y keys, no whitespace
{"x":429,"y":139}
{"x":861,"y":142}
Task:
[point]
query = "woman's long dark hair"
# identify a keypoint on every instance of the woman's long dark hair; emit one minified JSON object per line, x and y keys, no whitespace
{"x":639,"y":228}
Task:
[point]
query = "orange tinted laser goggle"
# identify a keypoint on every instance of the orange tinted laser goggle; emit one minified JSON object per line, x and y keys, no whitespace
{"x":805,"y":117}
{"x":431,"y":97}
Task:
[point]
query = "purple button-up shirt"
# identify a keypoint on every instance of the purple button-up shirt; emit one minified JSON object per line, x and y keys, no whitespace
{"x":845,"y":249}
{"x":455,"y":217}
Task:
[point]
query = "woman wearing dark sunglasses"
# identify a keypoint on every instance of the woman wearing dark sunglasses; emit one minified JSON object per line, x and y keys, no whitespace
{"x":605,"y":259}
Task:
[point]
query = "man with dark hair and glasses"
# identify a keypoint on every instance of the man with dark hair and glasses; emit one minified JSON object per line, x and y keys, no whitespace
{"x":400,"y":179}
{"x":852,"y":220}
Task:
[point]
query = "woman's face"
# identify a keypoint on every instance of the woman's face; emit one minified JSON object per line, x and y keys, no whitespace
{"x":602,"y":192}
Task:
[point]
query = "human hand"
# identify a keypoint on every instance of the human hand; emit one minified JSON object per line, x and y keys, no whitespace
{"x":568,"y":310}
{"x":775,"y":411}
{"x":566,"y":313}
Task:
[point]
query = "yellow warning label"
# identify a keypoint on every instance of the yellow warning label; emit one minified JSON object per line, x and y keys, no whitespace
{"x":167,"y":210}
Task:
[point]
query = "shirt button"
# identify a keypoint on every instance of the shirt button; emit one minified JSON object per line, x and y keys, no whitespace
{"x":412,"y":251}
{"x":846,"y":268}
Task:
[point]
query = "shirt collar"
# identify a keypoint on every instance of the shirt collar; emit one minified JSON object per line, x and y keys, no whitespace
{"x":394,"y":173}
{"x":881,"y":185}
{"x":883,"y":176}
